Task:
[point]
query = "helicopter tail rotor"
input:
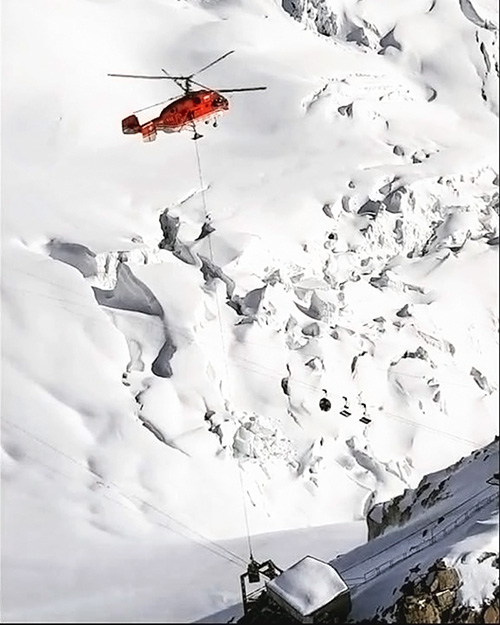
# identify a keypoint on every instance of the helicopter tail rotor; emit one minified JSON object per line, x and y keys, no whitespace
{"x":130,"y":125}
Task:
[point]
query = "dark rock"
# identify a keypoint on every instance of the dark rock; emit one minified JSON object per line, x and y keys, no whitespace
{"x":211,"y":271}
{"x":169,"y":227}
{"x":386,"y":188}
{"x":491,"y":614}
{"x":480,"y":380}
{"x":358,"y":35}
{"x":419,"y":610}
{"x":184,"y":253}
{"x":485,"y":555}
{"x":466,"y":614}
{"x":153,"y":429}
{"x":444,"y":599}
{"x":129,"y":294}
{"x":327,"y":209}
{"x":442,"y":579}
{"x":312,"y":329}
{"x":379,"y":282}
{"x":249,"y":304}
{"x":161,"y":364}
{"x":346,"y":109}
{"x":206,"y":229}
{"x":392,"y":201}
{"x":420,"y":353}
{"x":403,"y":312}
{"x":389,"y":41}
{"x":371,"y":208}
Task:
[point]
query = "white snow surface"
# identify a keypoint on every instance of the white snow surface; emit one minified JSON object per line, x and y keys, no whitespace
{"x":308,"y":585}
{"x":355,"y":207}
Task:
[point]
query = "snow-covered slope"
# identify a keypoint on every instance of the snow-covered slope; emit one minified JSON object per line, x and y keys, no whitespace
{"x":452,"y":516}
{"x":153,"y":379}
{"x":434,"y":558}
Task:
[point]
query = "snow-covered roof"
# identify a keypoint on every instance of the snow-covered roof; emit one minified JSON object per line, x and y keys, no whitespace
{"x":308,"y":585}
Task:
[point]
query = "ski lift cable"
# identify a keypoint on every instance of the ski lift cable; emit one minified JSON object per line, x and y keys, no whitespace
{"x":181,"y":330}
{"x":115,"y":501}
{"x":383,"y":413}
{"x":210,"y":248}
{"x":431,"y":429}
{"x":246,"y":516}
{"x":264,"y":370}
{"x":221,"y":329}
{"x":216,"y":548}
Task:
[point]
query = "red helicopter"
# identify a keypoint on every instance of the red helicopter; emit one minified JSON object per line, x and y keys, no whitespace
{"x":181,"y":114}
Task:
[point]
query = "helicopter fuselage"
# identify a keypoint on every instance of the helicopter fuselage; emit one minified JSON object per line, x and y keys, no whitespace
{"x":196,"y":105}
{"x":182,"y":113}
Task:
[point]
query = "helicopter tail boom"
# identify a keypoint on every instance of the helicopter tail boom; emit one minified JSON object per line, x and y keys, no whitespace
{"x":131,"y":126}
{"x":148,"y":132}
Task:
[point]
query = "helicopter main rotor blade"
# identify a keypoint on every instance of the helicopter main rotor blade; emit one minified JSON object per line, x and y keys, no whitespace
{"x":200,"y":85}
{"x":240,"y":89}
{"x":176,"y":79}
{"x":140,"y":76}
{"x":153,"y":105}
{"x":212,"y":63}
{"x":227,"y":90}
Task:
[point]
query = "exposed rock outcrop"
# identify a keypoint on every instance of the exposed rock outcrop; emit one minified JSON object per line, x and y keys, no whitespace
{"x":433,"y":598}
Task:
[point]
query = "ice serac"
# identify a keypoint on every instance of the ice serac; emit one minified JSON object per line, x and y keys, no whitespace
{"x":74,"y":254}
{"x":161,"y":365}
{"x":130,"y":293}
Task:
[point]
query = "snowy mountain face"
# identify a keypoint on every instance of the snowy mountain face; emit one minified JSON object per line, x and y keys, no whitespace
{"x":453,"y":487}
{"x":431,"y":555}
{"x":302,"y":326}
{"x":449,"y":523}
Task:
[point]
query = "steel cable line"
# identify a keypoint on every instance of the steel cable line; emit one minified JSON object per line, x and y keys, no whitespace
{"x":221,"y":329}
{"x":226,"y":553}
{"x":264,"y":370}
{"x":181,"y":329}
{"x":159,"y":524}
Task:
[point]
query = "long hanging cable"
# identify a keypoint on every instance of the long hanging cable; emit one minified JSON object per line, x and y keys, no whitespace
{"x":221,"y":329}
{"x":208,"y":544}
{"x":246,"y":515}
{"x":208,"y":219}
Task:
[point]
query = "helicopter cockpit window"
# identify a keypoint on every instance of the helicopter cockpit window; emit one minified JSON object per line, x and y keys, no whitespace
{"x":196,"y":99}
{"x":218,"y":101}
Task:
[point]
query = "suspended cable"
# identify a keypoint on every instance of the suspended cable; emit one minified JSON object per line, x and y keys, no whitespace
{"x":264,"y":371}
{"x":221,"y":330}
{"x":215,"y":547}
{"x":208,"y":219}
{"x":246,"y":515}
